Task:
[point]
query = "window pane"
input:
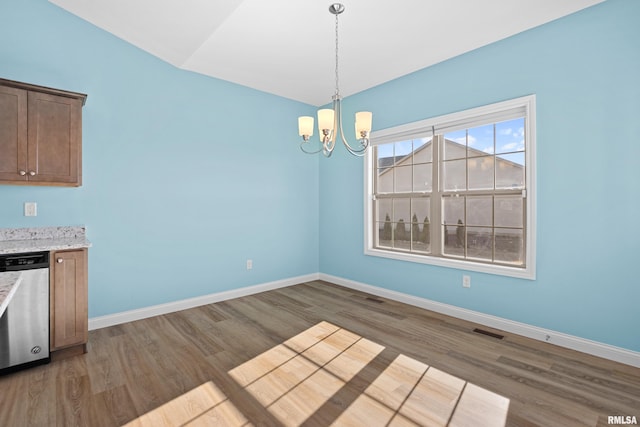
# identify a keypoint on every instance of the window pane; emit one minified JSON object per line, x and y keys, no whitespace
{"x":510,"y":136}
{"x":453,"y":216}
{"x":401,"y":210}
{"x":384,"y":209}
{"x":384,"y":234}
{"x":509,"y":246}
{"x":454,"y":175}
{"x":479,"y":211}
{"x":401,"y":235}
{"x":510,"y":170}
{"x":455,"y":145}
{"x":422,"y":177}
{"x":420,"y":208}
{"x":384,"y":154}
{"x":479,"y":243}
{"x":508,"y":211}
{"x":453,"y":239}
{"x":420,"y":231}
{"x":422,"y":150}
{"x":385,"y":180}
{"x":402,"y":150}
{"x":452,"y":210}
{"x":416,"y":230}
{"x":480,"y":141}
{"x":404,"y":178}
{"x":481,"y":173}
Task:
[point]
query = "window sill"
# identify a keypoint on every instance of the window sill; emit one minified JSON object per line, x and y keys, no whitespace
{"x":501,"y":270}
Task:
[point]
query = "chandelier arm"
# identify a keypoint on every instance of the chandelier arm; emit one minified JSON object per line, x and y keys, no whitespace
{"x":364,"y":142}
{"x":357,"y":153}
{"x":330,"y":144}
{"x":361,"y":152}
{"x":302,"y":144}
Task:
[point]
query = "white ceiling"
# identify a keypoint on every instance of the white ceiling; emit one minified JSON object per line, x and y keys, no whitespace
{"x":286,"y":47}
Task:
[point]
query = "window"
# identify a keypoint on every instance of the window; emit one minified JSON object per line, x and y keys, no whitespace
{"x":456,"y":190}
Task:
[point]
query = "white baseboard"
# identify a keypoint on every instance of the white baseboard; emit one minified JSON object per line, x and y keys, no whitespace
{"x":594,"y":348}
{"x":170,"y":307}
{"x":606,"y":351}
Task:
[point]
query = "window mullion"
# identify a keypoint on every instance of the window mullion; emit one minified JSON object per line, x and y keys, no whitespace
{"x":436,"y":199}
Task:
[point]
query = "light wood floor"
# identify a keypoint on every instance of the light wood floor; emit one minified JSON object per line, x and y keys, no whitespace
{"x":316,"y":354}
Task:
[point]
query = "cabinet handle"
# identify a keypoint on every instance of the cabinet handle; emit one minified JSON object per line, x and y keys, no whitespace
{"x":59,"y":260}
{"x":32,"y":173}
{"x":22,"y":173}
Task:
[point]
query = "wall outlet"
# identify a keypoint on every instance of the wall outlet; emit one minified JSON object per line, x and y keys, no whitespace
{"x":249,"y":264}
{"x":30,"y":209}
{"x":466,"y":281}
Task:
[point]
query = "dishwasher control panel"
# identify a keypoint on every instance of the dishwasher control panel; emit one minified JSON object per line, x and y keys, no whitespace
{"x":24,"y":261}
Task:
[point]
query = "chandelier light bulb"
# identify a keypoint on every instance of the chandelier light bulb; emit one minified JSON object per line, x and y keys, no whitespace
{"x":326,"y":118}
{"x":305,"y":126}
{"x":363,"y":123}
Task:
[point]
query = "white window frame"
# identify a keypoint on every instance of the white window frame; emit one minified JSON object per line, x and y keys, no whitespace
{"x":422,"y":128}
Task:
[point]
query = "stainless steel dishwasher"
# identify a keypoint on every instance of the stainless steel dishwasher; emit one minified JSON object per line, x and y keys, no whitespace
{"x":24,"y":326}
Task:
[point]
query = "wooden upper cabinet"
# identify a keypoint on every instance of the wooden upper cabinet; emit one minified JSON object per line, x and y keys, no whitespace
{"x":40,"y":135}
{"x":54,"y":142}
{"x":13,"y":133}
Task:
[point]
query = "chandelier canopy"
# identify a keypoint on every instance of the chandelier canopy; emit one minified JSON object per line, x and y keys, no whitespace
{"x":330,"y":119}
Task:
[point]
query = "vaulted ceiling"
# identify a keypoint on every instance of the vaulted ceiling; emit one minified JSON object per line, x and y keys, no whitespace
{"x":286,"y":47}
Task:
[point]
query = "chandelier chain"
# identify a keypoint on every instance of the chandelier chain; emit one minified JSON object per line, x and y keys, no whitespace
{"x":337,"y":78}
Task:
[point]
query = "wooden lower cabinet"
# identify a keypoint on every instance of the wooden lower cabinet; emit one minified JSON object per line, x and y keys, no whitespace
{"x":68,"y":296}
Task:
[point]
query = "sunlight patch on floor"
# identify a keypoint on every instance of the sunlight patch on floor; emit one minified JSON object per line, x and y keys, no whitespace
{"x":294,"y":379}
{"x":205,"y":405}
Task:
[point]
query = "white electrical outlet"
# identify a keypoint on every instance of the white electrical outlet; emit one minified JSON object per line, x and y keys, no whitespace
{"x":30,"y":209}
{"x":466,"y":281}
{"x":249,"y":264}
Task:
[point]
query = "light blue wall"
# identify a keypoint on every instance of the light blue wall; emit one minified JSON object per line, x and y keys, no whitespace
{"x":185,"y":177}
{"x":171,"y":166}
{"x":585,"y":71}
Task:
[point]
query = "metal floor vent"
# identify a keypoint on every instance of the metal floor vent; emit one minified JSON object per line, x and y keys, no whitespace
{"x":490,"y":334}
{"x":374,"y":299}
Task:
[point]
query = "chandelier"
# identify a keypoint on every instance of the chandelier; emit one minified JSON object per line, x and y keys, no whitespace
{"x":330,"y":119}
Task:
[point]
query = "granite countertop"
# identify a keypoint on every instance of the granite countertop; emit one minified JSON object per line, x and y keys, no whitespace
{"x":9,"y":282}
{"x":21,"y":240}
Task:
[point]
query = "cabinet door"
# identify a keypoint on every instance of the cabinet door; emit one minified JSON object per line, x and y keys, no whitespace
{"x":55,"y":136}
{"x":69,"y":323}
{"x":13,"y":134}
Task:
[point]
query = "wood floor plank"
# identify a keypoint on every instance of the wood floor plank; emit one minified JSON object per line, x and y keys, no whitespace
{"x":41,"y":396}
{"x":479,"y":407}
{"x":117,"y":402}
{"x":317,"y":354}
{"x":434,"y":398}
{"x":14,"y":402}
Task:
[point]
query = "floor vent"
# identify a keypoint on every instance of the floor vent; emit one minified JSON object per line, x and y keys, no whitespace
{"x":373,"y":299}
{"x":490,"y":334}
